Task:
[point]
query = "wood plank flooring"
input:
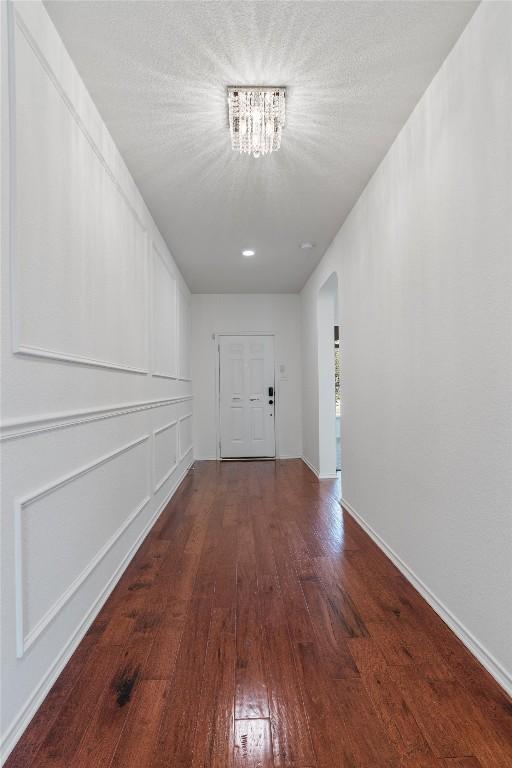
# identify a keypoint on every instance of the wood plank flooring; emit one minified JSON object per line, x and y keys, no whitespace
{"x":258,"y":626}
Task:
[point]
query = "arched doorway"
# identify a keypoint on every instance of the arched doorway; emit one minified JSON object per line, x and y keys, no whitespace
{"x":327,"y":319}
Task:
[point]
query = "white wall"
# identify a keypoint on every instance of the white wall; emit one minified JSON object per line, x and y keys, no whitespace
{"x":247,"y":313}
{"x":424,"y":263}
{"x":96,"y":391}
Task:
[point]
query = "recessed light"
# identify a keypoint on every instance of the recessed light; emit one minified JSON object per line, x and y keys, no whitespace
{"x":247,"y":253}
{"x":307,"y":245}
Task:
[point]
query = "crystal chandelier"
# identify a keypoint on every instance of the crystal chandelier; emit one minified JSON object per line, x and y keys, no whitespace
{"x":256,"y":118}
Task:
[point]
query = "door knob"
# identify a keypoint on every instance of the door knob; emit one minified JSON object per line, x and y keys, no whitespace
{"x":271,"y":402}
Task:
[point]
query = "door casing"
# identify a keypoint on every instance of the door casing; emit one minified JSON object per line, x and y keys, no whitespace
{"x":216,"y":339}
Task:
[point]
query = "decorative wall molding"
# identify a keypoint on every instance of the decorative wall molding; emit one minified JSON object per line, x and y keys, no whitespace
{"x":175,"y":333}
{"x":11,"y":99}
{"x":23,"y":642}
{"x":19,"y":347}
{"x":157,"y":484}
{"x":23,"y":718}
{"x":109,"y":554}
{"x":76,"y":116}
{"x":159,"y":375}
{"x":183,"y":453}
{"x":48,"y":354}
{"x":183,"y":324}
{"x":475,"y":647}
{"x":27,"y":427}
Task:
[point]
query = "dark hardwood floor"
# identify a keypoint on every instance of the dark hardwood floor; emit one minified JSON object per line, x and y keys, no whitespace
{"x":259,"y":626}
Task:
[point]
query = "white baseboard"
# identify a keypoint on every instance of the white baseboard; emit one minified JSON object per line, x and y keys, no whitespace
{"x":486,"y":659}
{"x":326,"y":476}
{"x":21,"y":722}
{"x":310,"y":466}
{"x":278,"y":458}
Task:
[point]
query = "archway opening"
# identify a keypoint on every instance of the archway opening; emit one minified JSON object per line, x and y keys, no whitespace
{"x":328,"y":425}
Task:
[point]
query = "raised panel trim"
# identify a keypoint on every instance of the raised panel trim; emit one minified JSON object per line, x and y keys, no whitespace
{"x":182,"y":342}
{"x":154,"y":372}
{"x":23,"y":642}
{"x":26,"y":427}
{"x":27,"y":349}
{"x":49,"y":354}
{"x":184,"y":453}
{"x":76,"y":116}
{"x":28,"y":710}
{"x":158,"y":484}
{"x":159,"y":375}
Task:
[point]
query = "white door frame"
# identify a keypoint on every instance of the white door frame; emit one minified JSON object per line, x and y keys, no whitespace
{"x":215,"y":339}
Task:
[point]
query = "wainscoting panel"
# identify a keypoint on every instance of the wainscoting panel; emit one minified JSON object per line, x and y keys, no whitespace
{"x":96,"y":391}
{"x":80,"y":264}
{"x":164,"y":328}
{"x":82,"y":492}
{"x":184,"y":326}
{"x":185,"y":434}
{"x":90,"y":509}
{"x":165,"y":453}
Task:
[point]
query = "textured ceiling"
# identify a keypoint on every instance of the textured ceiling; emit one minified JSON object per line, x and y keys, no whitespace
{"x":158,"y":73}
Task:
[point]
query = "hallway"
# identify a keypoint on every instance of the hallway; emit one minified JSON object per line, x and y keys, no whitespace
{"x":258,"y":625}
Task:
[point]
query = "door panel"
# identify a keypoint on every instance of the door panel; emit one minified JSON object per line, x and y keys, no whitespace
{"x":256,"y":374}
{"x":237,"y":376}
{"x":237,"y":424}
{"x":258,"y":424}
{"x":247,"y":417}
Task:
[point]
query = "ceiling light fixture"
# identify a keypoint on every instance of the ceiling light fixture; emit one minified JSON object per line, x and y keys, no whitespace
{"x":256,"y":118}
{"x":247,"y":253}
{"x":307,"y":245}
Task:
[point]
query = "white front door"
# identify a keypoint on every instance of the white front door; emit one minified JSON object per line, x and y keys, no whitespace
{"x":247,"y":399}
